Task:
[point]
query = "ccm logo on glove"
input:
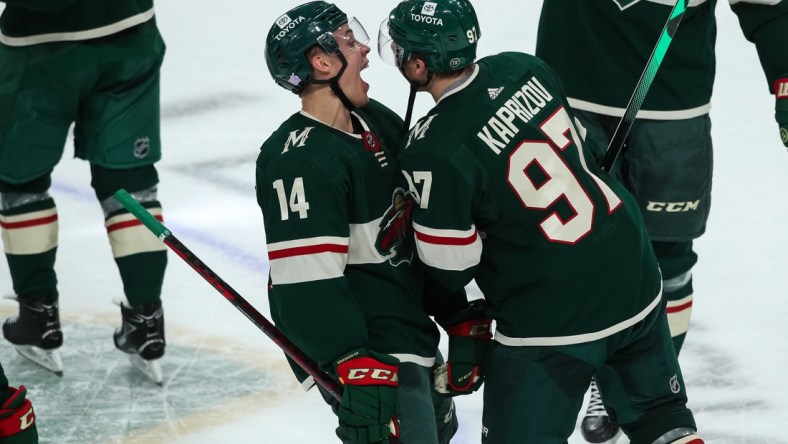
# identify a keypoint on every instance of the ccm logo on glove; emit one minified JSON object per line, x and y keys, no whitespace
{"x":372,"y":373}
{"x":781,"y":107}
{"x":367,"y":371}
{"x":781,"y":88}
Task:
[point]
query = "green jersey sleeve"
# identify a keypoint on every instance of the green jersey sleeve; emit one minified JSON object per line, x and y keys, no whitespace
{"x":767,"y":27}
{"x":447,"y":239}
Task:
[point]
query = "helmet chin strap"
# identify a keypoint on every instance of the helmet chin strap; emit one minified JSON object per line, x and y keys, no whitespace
{"x":414,"y":88}
{"x":333,"y":82}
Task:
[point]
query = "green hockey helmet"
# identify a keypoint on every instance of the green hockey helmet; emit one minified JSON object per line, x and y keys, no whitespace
{"x":444,"y":32}
{"x":293,"y":34}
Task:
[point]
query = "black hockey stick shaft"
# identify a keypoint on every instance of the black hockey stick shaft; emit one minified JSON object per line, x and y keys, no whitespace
{"x":643,"y":85}
{"x":166,"y":236}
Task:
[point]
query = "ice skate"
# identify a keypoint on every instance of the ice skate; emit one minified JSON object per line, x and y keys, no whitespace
{"x":142,"y":337}
{"x":35,"y":333}
{"x":596,"y":426}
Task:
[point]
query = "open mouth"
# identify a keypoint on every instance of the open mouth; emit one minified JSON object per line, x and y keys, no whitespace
{"x":363,"y":82}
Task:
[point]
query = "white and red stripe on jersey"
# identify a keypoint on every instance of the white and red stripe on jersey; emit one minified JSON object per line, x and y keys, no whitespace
{"x":323,"y":257}
{"x":454,"y":250}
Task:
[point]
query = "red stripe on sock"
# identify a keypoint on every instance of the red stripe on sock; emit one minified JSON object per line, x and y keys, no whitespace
{"x":128,"y":224}
{"x":29,"y":223}
{"x":679,"y":308}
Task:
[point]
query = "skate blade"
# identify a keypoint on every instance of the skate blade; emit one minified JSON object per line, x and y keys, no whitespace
{"x":48,"y":359}
{"x":151,"y":369}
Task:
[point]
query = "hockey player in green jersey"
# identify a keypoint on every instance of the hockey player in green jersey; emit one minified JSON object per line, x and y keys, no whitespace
{"x":94,"y":64}
{"x":599,"y":48}
{"x":507,"y":194}
{"x":344,"y":287}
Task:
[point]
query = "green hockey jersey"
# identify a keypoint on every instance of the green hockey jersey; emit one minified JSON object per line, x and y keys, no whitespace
{"x":600,"y":48}
{"x":340,"y":246}
{"x":506,"y":194}
{"x":29,"y":22}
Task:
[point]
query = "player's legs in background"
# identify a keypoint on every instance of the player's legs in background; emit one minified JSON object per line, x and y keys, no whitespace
{"x":38,"y":99}
{"x":140,"y":257}
{"x":118,"y":132}
{"x":669,"y":170}
{"x":28,"y":222}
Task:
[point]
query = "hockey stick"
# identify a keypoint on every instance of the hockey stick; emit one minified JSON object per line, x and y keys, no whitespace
{"x":643,"y":85}
{"x":166,"y":236}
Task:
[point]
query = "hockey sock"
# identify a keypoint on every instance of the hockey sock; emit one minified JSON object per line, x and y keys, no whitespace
{"x":140,"y":257}
{"x":142,"y":275}
{"x":29,"y":227}
{"x":676,"y":260}
{"x":678,"y":292}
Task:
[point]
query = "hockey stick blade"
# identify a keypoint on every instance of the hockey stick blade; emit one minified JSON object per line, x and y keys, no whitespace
{"x":643,"y":85}
{"x":166,"y":236}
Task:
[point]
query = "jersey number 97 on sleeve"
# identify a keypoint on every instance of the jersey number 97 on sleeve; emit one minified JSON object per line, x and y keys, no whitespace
{"x":296,"y":202}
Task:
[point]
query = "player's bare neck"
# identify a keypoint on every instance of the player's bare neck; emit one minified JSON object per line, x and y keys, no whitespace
{"x":326,"y":107}
{"x":443,"y":84}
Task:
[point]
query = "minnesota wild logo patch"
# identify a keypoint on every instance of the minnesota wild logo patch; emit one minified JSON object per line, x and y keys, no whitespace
{"x":395,"y":238}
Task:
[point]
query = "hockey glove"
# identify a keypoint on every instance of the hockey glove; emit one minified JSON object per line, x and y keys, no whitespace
{"x":17,"y":419}
{"x":470,"y":335}
{"x":781,"y":107}
{"x":369,"y":407}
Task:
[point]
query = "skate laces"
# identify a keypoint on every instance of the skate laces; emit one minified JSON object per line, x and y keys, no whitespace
{"x":43,"y":313}
{"x":595,"y":406}
{"x":49,"y":312}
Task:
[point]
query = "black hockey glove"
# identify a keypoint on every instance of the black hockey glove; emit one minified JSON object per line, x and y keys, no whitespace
{"x":369,"y":408}
{"x":470,"y":336}
{"x":781,"y":107}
